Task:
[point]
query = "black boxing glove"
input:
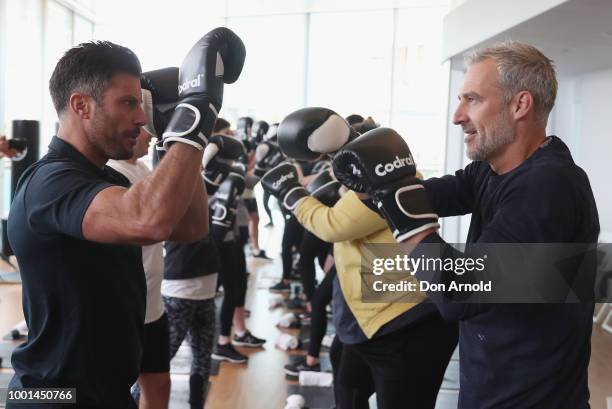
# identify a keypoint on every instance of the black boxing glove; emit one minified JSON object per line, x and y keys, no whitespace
{"x":312,"y":133}
{"x":328,"y":194}
{"x":319,"y":180}
{"x":228,"y":147}
{"x":216,"y":58}
{"x":223,"y":206}
{"x":272,"y":134}
{"x":381,"y":164}
{"x":322,"y":165}
{"x":282,"y":182}
{"x":217,"y":158}
{"x":267,"y":156}
{"x":258,"y":131}
{"x":214,"y":174}
{"x":325,"y":188}
{"x":243,"y":127}
{"x":159,"y":98}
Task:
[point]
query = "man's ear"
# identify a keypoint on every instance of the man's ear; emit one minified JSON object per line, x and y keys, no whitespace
{"x":80,"y":104}
{"x":522,"y":104}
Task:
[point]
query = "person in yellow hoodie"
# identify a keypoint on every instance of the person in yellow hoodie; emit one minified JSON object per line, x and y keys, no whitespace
{"x":405,"y":346}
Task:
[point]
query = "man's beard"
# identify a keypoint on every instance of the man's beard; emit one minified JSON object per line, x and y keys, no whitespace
{"x":108,"y":142}
{"x":491,"y":139}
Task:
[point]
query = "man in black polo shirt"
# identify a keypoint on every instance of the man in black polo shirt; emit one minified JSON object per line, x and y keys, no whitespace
{"x":523,"y":187}
{"x":77,"y":229}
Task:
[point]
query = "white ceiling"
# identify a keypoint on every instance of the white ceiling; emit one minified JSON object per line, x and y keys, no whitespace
{"x":577,"y":35}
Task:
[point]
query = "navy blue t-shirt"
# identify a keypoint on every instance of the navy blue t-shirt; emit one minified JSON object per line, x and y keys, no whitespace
{"x":84,"y":302}
{"x":522,"y":355}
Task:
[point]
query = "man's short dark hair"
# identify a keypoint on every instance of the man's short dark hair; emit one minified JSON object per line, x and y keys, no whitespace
{"x":354,"y":119}
{"x":220,"y":124}
{"x":89,"y":68}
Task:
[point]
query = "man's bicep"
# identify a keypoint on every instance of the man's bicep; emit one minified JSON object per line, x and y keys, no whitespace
{"x":110,"y":219}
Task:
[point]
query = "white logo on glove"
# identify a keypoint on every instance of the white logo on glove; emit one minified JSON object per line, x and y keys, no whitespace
{"x":190,"y":83}
{"x":383,"y":169}
{"x":356,"y":171}
{"x":282,"y":180}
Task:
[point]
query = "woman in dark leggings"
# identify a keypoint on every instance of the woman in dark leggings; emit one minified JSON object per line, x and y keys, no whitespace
{"x":320,"y":299}
{"x":234,"y":280}
{"x":311,"y":247}
{"x":292,"y":237}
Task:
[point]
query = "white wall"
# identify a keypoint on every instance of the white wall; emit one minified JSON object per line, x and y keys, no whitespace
{"x":582,"y":119}
{"x":474,"y":21}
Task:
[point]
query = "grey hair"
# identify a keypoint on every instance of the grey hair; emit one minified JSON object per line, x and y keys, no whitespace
{"x":522,"y":67}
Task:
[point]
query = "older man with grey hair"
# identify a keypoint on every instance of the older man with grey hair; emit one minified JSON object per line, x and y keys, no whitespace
{"x":522,"y":187}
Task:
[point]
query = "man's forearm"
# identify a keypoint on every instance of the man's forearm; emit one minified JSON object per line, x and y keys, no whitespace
{"x":194,"y":224}
{"x":163,"y":197}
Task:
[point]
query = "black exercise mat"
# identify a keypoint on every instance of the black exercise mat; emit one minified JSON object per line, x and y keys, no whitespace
{"x":315,"y":396}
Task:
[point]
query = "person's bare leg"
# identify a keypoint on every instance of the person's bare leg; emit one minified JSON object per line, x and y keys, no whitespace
{"x":254,"y":231}
{"x":311,"y":360}
{"x":238,"y":321}
{"x":154,"y":390}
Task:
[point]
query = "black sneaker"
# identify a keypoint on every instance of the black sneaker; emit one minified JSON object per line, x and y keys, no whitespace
{"x":295,"y":368}
{"x":248,"y":340}
{"x":281,"y":286}
{"x":228,"y":353}
{"x":295,"y":303}
{"x":261,"y":254}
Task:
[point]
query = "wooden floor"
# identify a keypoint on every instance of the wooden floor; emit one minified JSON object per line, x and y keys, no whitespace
{"x":261,"y":384}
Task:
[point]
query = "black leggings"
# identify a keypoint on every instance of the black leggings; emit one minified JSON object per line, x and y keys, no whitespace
{"x":266,"y":197}
{"x":408,"y":365}
{"x":292,"y":236}
{"x":311,"y":247}
{"x":318,"y":327}
{"x":234,"y":279}
{"x":352,"y":393}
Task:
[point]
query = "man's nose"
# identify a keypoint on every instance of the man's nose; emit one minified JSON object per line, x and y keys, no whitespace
{"x":459,"y":116}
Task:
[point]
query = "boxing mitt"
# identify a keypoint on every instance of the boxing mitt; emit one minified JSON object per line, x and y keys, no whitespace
{"x":282,"y":182}
{"x":380,"y":163}
{"x":312,"y":133}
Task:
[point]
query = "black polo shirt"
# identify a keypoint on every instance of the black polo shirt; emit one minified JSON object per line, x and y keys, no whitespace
{"x":84,"y":302}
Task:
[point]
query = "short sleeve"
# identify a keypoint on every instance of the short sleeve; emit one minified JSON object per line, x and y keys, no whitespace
{"x":57,"y":198}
